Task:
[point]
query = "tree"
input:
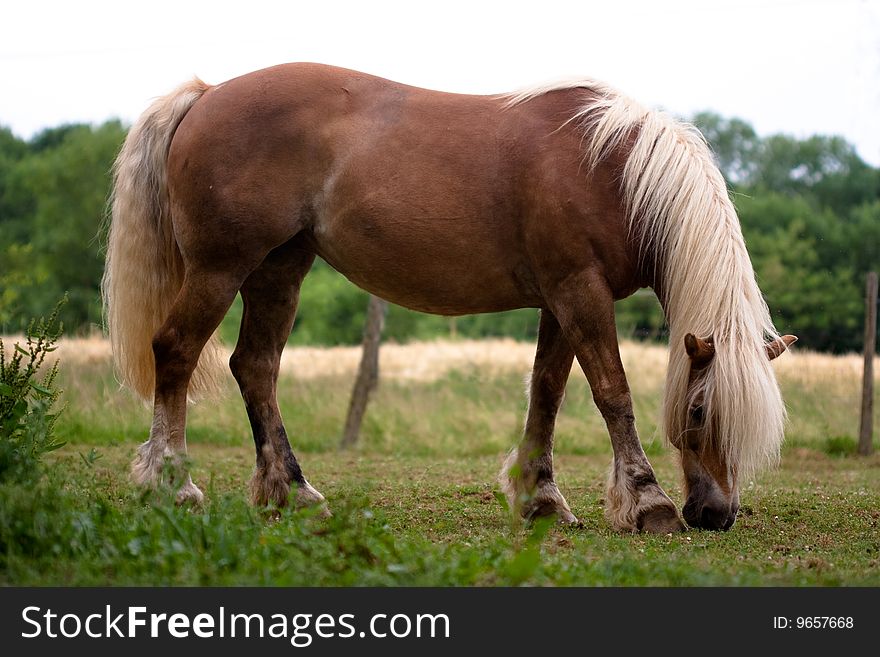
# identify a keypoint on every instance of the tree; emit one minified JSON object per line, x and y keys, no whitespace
{"x":13,"y":207}
{"x":55,"y":197}
{"x":809,"y":210}
{"x":368,"y":372}
{"x":820,"y":305}
{"x":735,"y":144}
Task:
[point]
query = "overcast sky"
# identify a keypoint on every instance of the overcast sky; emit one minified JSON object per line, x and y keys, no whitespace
{"x":794,"y":66}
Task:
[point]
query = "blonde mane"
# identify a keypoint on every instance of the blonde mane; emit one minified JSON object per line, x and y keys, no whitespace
{"x":680,"y":213}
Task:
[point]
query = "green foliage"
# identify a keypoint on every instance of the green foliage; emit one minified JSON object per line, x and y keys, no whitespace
{"x":332,"y":310}
{"x":640,"y":316}
{"x":818,"y":301}
{"x":17,"y":279}
{"x":735,"y":143}
{"x":810,"y":213}
{"x":27,"y":401}
{"x":53,"y":194}
{"x":811,"y":265}
{"x":159,"y":543}
{"x":840,"y":446}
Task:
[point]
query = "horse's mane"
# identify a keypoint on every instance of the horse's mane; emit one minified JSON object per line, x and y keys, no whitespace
{"x":680,"y":213}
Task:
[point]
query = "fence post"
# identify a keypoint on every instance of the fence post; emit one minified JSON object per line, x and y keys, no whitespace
{"x":368,"y":371}
{"x":866,"y":426}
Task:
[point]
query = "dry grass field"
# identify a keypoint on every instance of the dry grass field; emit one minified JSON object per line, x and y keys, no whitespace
{"x":822,"y":392}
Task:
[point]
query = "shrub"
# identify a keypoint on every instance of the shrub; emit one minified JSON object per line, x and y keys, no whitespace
{"x":840,"y":446}
{"x":28,"y":397}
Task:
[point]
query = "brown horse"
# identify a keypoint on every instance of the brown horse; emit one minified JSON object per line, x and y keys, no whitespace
{"x":564,"y":198}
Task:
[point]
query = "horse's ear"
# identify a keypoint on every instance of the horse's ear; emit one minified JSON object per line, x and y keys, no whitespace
{"x":775,"y":348}
{"x":698,"y":350}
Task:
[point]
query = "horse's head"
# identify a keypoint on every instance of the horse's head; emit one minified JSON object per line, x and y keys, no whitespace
{"x":710,"y":480}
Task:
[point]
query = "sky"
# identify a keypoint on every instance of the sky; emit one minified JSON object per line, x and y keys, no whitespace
{"x":800,"y":67}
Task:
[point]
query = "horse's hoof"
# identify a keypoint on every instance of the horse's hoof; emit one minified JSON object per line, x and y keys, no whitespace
{"x":189,"y":495}
{"x":661,"y":520}
{"x":566,"y":517}
{"x":306,"y":496}
{"x":551,"y":509}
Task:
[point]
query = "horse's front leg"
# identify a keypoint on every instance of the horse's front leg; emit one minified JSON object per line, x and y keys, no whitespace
{"x":527,"y":475}
{"x":634,"y":500}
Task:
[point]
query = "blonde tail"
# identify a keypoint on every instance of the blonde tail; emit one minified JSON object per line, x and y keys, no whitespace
{"x":144,"y":270}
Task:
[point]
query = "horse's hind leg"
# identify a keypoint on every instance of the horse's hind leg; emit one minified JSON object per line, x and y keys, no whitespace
{"x":270,"y":295}
{"x":527,"y":474}
{"x":198,"y":309}
{"x":634,"y":500}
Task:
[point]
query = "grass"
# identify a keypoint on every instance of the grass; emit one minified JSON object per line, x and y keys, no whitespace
{"x":415,"y":504}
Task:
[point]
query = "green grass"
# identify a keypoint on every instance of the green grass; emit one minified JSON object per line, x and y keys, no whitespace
{"x":416,"y":503}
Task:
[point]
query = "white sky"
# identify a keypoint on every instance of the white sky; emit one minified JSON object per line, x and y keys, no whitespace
{"x":794,"y":66}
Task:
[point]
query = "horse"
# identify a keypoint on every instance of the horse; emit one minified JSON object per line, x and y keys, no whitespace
{"x":564,"y":197}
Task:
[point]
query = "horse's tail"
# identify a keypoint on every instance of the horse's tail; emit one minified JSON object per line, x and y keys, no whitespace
{"x":144,"y":270}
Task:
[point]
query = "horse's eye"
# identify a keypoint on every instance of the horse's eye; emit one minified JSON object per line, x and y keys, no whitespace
{"x":697,"y":414}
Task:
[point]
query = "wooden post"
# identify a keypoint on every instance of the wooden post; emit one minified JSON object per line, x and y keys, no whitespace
{"x":368,"y":371}
{"x":866,"y":427}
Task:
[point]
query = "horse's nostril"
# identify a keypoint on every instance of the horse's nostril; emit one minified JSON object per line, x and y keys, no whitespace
{"x":689,"y":511}
{"x":712,"y":513}
{"x":712,"y":517}
{"x":706,"y":517}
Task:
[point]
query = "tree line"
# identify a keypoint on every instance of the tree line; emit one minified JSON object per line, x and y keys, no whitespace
{"x":809,"y":209}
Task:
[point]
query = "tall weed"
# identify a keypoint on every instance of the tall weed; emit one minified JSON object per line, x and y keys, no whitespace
{"x":28,"y":398}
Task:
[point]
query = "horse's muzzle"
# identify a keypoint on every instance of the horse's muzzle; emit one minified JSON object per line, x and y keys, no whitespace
{"x":712,"y":512}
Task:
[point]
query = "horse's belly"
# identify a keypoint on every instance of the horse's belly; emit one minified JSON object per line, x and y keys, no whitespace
{"x":441,"y":266}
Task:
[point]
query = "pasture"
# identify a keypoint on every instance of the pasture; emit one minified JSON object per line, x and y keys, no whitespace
{"x":416,"y":503}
